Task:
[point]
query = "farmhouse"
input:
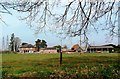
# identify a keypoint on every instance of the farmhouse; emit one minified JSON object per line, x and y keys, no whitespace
{"x":27,"y":48}
{"x":100,"y":49}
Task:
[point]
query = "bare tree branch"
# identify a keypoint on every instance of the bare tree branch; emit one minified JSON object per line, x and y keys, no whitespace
{"x":75,"y":17}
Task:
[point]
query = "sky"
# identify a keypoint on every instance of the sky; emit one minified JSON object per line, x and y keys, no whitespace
{"x":27,"y":34}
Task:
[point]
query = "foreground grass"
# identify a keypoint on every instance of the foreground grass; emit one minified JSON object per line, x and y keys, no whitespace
{"x":89,"y":65}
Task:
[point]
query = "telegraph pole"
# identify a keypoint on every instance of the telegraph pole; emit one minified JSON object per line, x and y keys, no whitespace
{"x":7,"y":43}
{"x":3,"y":44}
{"x":61,"y":53}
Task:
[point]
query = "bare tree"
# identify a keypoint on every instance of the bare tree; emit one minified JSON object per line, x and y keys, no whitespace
{"x":17,"y":43}
{"x":73,"y":17}
{"x":3,"y":10}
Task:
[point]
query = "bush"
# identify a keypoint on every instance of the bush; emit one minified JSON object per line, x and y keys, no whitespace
{"x":117,"y":50}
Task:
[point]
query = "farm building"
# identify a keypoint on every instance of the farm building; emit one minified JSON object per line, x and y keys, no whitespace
{"x":48,"y":50}
{"x":76,"y":48}
{"x":101,"y":49}
{"x":27,"y":48}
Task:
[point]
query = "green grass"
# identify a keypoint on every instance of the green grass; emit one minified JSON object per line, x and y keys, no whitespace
{"x":88,"y":65}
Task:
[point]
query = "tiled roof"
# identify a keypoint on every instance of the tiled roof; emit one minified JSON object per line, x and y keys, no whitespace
{"x":75,"y":46}
{"x":27,"y":46}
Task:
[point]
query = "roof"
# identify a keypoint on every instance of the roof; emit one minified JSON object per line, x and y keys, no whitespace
{"x":48,"y":48}
{"x":101,"y":46}
{"x":27,"y":46}
{"x":76,"y":47}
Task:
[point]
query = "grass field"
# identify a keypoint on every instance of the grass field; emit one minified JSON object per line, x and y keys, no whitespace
{"x":75,"y":66}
